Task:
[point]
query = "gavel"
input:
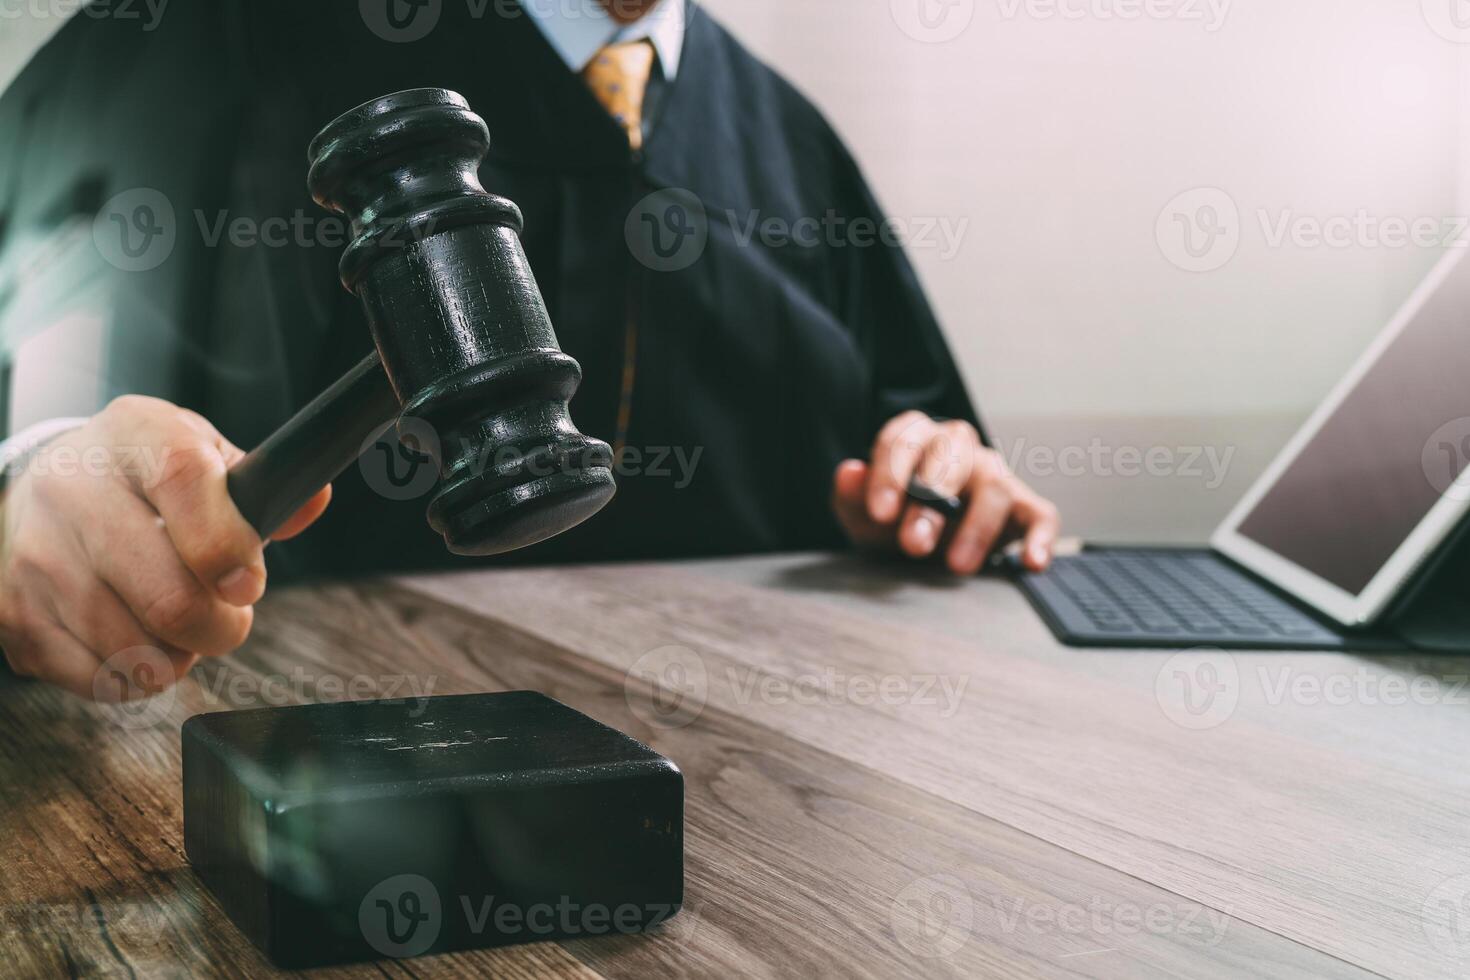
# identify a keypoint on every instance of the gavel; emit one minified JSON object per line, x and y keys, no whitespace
{"x":463,"y":340}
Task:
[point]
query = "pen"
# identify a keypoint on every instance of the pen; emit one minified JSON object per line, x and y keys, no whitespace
{"x":948,"y":506}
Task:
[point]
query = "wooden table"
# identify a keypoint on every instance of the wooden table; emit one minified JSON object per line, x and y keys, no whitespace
{"x":888,"y":774}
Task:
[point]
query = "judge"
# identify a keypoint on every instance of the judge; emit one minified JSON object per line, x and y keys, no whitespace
{"x":762,"y":392}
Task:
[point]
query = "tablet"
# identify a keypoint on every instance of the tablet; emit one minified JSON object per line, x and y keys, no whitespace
{"x":1378,"y":476}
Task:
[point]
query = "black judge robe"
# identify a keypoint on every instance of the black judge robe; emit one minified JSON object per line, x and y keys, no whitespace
{"x":772,"y":363}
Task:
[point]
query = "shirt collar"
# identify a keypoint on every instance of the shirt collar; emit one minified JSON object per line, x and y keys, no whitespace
{"x":578,"y":29}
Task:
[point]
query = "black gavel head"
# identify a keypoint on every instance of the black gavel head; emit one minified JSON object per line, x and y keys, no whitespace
{"x":459,"y":322}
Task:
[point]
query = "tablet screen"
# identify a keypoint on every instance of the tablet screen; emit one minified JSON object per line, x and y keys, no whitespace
{"x":1392,"y":447}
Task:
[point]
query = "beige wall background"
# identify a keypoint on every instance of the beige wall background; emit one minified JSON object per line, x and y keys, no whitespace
{"x":1072,"y":145}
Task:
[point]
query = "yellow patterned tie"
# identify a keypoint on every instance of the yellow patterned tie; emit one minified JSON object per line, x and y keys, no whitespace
{"x":618,"y":77}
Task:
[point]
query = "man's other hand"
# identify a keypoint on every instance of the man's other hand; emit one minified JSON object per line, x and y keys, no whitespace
{"x":872,"y":503}
{"x":122,"y":534}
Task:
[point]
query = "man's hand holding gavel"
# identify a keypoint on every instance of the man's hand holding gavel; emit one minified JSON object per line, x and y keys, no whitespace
{"x":101,"y":560}
{"x":97,"y":559}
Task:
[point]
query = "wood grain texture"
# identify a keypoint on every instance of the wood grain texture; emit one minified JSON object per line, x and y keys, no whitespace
{"x":1275,"y":815}
{"x":832,"y":838}
{"x":91,"y":840}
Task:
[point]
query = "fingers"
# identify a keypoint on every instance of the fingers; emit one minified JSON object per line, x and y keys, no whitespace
{"x":1043,"y":523}
{"x":131,"y":674}
{"x":133,"y":555}
{"x":136,"y":568}
{"x":137,"y":673}
{"x":948,"y":458}
{"x":190,"y":493}
{"x":50,"y":654}
{"x":849,"y":484}
{"x":97,"y":616}
{"x":896,"y":455}
{"x":872,"y":503}
{"x":68,"y":628}
{"x":919,"y":531}
{"x":306,"y":516}
{"x":101,"y":621}
{"x":998,"y":501}
{"x":989,"y":498}
{"x":945,"y":466}
{"x":849,"y":503}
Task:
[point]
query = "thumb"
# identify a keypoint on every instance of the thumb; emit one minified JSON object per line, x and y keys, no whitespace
{"x":849,"y":503}
{"x":848,"y":485}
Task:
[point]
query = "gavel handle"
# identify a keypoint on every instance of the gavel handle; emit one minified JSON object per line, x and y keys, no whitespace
{"x":277,"y":477}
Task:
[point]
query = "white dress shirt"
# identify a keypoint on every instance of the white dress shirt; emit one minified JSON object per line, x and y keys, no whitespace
{"x":578,"y":29}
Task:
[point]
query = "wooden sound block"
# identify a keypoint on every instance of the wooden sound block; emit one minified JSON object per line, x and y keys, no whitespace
{"x":370,"y":829}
